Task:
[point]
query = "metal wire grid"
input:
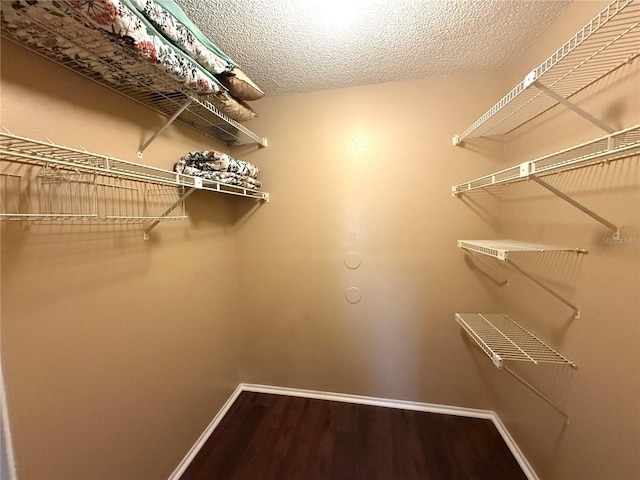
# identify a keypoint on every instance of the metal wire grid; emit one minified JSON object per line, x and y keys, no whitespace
{"x":87,"y":51}
{"x":619,"y":145}
{"x":502,"y":338}
{"x":76,"y":184}
{"x":607,"y":42}
{"x":35,"y":152}
{"x":500,"y":249}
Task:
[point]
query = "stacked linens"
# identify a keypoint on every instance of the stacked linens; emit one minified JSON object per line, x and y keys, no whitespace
{"x":219,"y":167}
{"x":100,"y":35}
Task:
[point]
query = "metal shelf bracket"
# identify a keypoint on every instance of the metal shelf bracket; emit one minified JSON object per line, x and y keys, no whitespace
{"x":573,"y":307}
{"x":164,"y":127}
{"x":540,"y":394}
{"x":168,"y":211}
{"x":570,"y":105}
{"x":504,"y":280}
{"x":579,"y":206}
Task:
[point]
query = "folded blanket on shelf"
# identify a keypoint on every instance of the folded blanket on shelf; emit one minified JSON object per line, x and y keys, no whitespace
{"x":229,"y":178}
{"x":219,"y":167}
{"x":214,"y":161}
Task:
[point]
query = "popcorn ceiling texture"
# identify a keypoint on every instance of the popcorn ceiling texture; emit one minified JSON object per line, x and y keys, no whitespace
{"x":289,"y":46}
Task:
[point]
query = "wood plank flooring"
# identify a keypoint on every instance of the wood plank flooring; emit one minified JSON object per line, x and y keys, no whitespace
{"x":266,"y":436}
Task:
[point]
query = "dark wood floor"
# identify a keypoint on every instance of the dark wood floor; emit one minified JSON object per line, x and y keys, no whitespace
{"x":277,"y":437}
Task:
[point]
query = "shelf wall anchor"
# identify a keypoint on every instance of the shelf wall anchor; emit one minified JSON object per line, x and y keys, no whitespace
{"x":579,"y":206}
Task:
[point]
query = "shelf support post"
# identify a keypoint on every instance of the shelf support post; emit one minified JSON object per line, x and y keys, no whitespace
{"x":539,"y":393}
{"x":168,"y":211}
{"x":575,"y":309}
{"x":572,"y":106}
{"x":579,"y":206}
{"x":164,"y":127}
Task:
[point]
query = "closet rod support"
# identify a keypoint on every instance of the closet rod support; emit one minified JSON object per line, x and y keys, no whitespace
{"x":164,"y":127}
{"x":575,"y":309}
{"x":579,"y":206}
{"x":539,"y":393}
{"x":572,"y":106}
{"x":168,"y":211}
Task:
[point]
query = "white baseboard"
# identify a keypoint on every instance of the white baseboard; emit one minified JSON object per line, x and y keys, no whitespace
{"x":177,"y":473}
{"x":7,"y":458}
{"x":362,"y":400}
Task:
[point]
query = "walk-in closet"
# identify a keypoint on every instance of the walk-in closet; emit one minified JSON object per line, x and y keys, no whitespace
{"x":320,"y":240}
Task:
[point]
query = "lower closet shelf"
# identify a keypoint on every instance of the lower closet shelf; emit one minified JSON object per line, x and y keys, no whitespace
{"x":502,"y":338}
{"x":44,"y":181}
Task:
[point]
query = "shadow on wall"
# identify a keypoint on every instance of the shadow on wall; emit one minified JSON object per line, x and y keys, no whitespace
{"x":553,"y":381}
{"x":207,"y":210}
{"x":82,"y":254}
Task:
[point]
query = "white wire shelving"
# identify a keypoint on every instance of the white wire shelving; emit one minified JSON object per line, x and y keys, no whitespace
{"x":72,"y":44}
{"x":617,"y":146}
{"x":610,"y":40}
{"x":504,"y":340}
{"x":503,"y":250}
{"x":73,"y":182}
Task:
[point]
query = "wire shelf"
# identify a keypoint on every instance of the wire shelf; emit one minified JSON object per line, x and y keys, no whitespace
{"x":610,"y":40}
{"x":88,"y":51}
{"x":503,"y":339}
{"x":501,"y":249}
{"x":34,"y":152}
{"x":41,"y":181}
{"x":617,"y":146}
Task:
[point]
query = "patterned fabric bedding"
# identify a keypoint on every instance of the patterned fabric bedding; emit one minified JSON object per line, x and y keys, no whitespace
{"x":219,"y":167}
{"x":26,"y":18}
{"x":169,"y":19}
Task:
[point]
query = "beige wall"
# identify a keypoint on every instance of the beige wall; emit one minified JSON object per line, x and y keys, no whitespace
{"x":117,"y":352}
{"x":131,"y":346}
{"x":602,"y":396}
{"x":368,"y":170}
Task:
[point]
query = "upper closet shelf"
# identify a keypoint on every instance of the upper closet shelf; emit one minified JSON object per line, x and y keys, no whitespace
{"x":33,"y":152}
{"x":608,"y":41}
{"x":501,"y":249}
{"x":90,"y":52}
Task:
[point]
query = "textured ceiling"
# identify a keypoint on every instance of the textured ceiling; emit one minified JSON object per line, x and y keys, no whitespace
{"x":289,"y":46}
